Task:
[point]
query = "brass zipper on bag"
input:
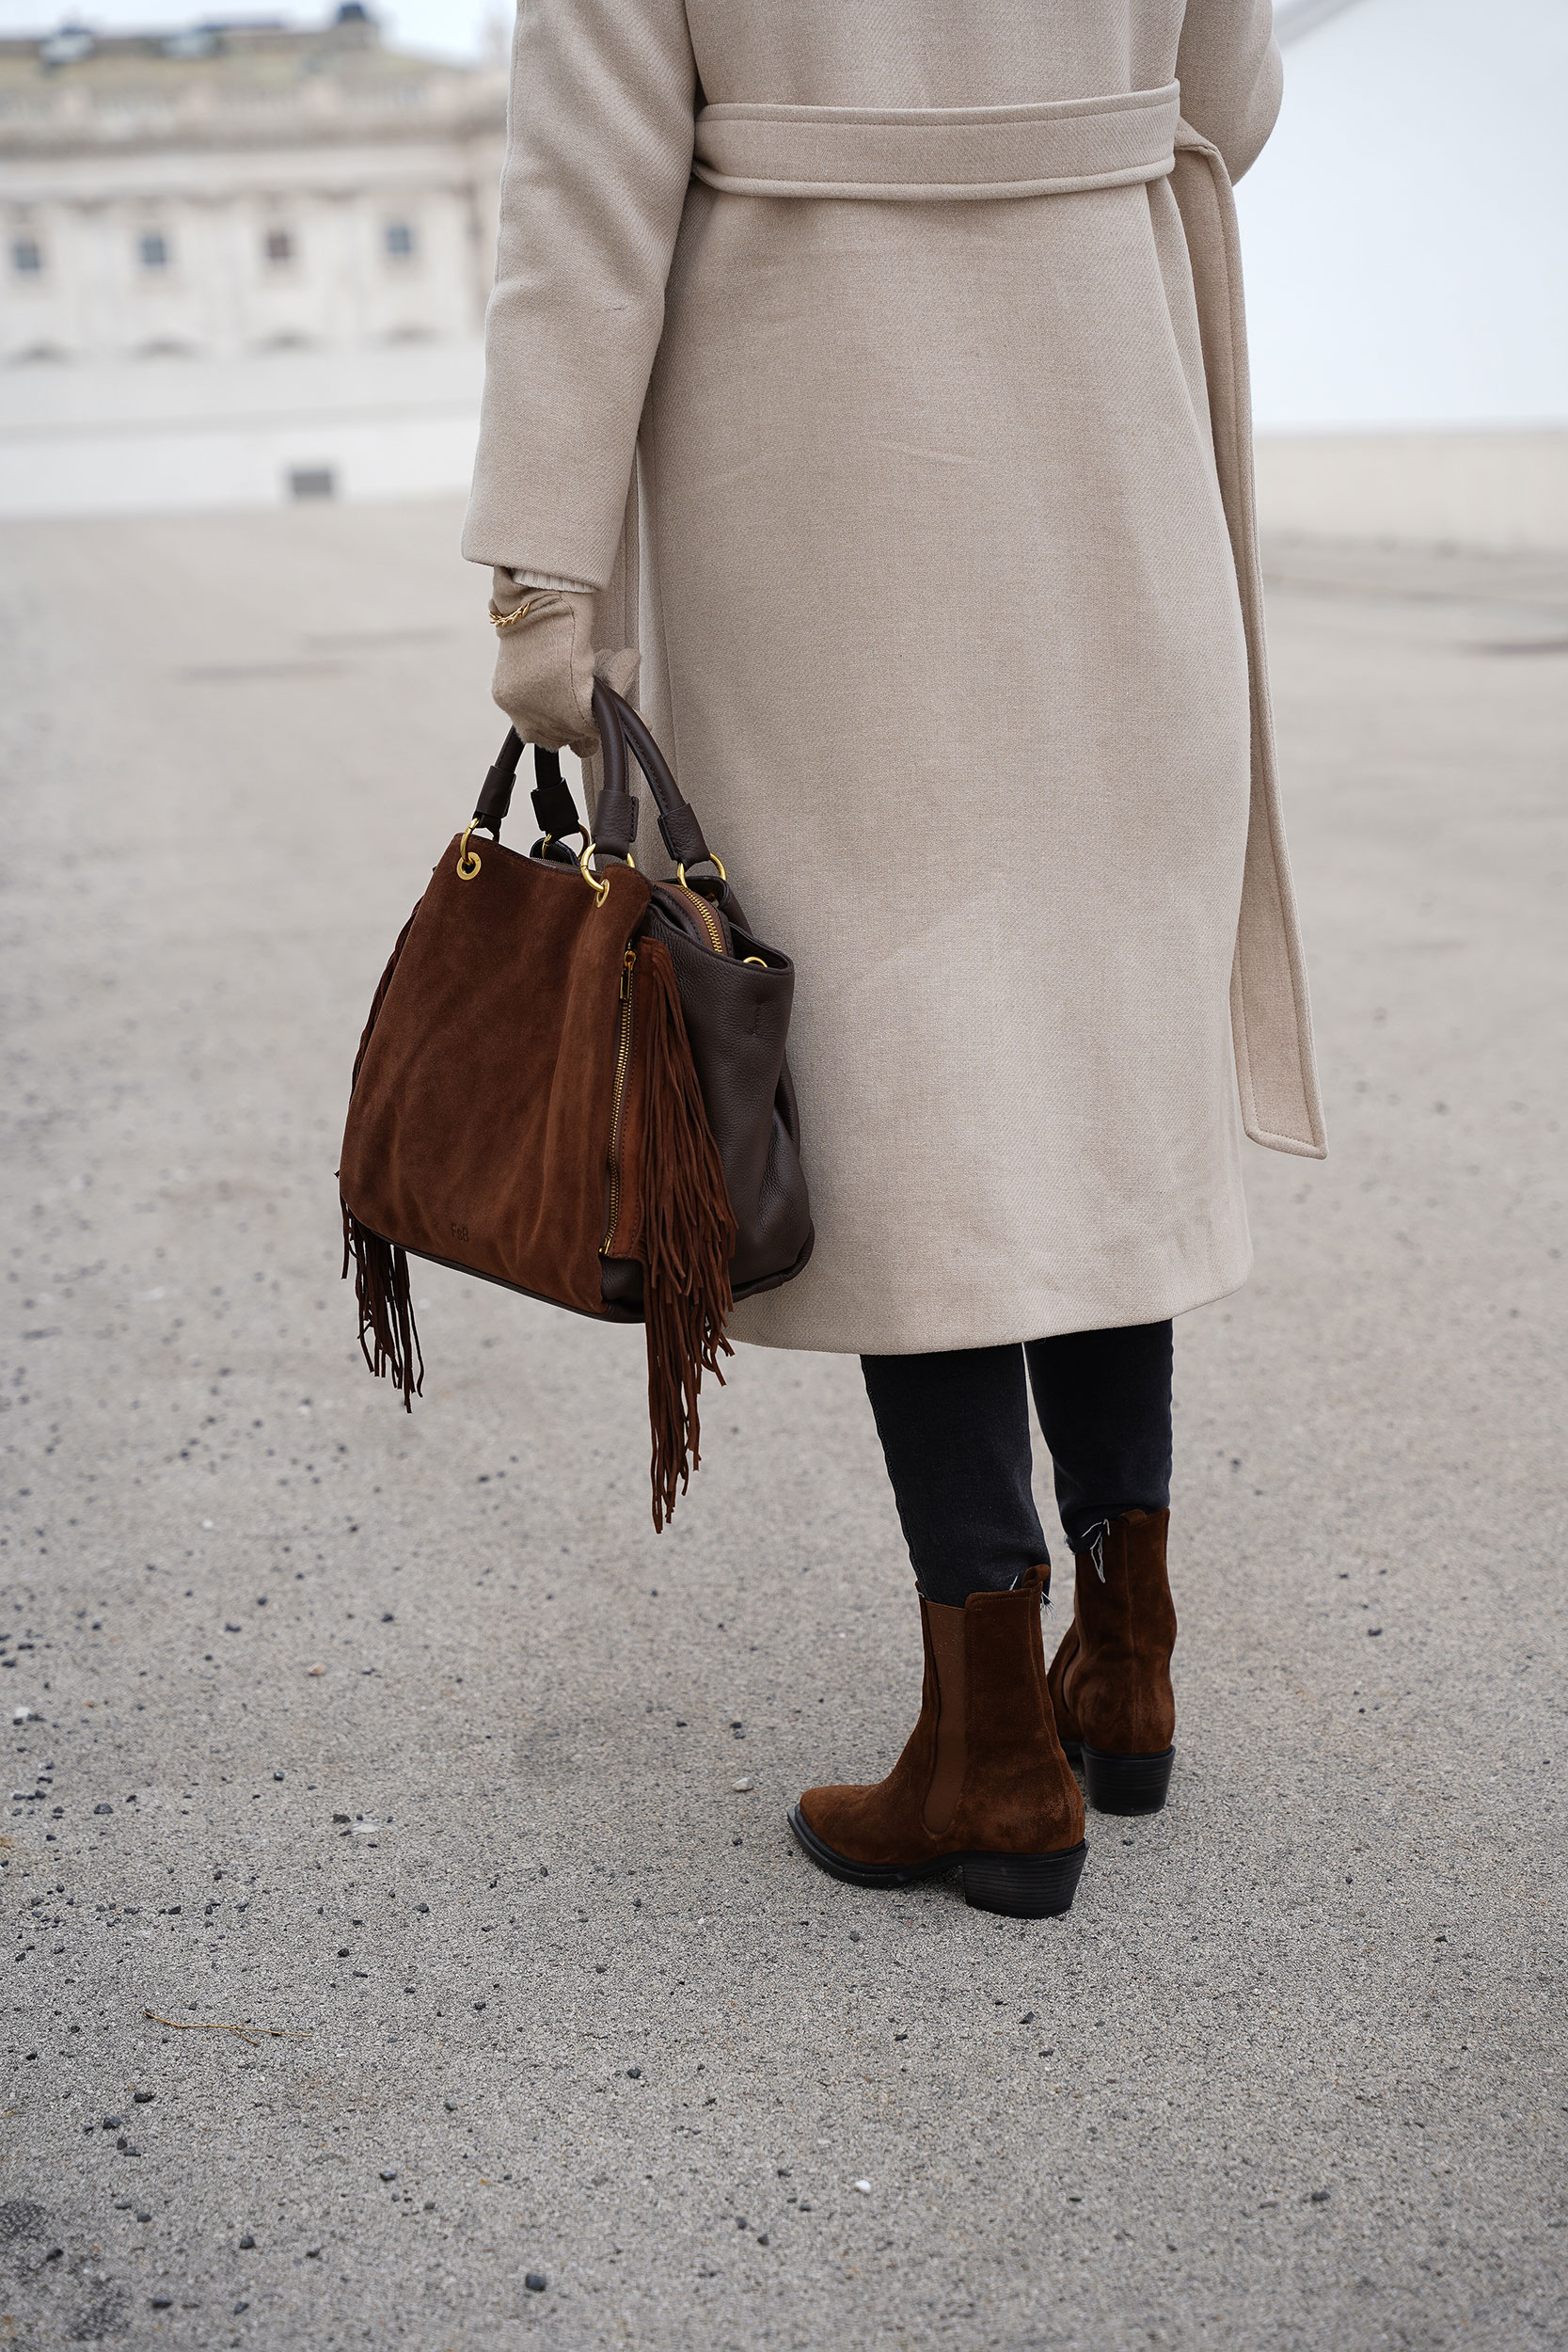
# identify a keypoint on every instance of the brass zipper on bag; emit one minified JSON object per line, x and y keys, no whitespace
{"x":618,"y":1098}
{"x":710,"y":921}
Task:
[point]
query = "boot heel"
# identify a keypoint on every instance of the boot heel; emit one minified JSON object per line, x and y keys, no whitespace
{"x":1126,"y":1783}
{"x":1024,"y":1885}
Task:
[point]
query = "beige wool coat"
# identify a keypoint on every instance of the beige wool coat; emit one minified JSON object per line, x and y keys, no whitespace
{"x":911,"y":335}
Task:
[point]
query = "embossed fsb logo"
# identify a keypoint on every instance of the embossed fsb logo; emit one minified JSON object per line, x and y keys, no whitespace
{"x":460,"y":1233}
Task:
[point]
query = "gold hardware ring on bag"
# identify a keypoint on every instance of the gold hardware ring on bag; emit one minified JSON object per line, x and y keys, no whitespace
{"x":600,"y":889}
{"x":469,"y":862}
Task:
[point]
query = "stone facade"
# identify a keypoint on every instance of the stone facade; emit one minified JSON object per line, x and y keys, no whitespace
{"x":209,"y":195}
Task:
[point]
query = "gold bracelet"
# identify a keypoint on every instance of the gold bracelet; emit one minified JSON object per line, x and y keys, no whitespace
{"x":510,"y":620}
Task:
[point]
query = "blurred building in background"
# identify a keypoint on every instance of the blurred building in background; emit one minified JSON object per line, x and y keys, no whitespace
{"x":241,"y":263}
{"x":244,"y":263}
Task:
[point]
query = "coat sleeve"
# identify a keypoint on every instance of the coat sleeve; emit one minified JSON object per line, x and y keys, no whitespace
{"x":1232,"y":76}
{"x":601,"y":125}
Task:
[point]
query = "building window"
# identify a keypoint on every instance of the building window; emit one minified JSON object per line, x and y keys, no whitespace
{"x":26,"y":257}
{"x":312,"y":481}
{"x":153,"y":246}
{"x":397,"y":239}
{"x":278,"y":246}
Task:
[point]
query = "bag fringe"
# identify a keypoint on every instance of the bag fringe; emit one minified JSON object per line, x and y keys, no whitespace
{"x":386,"y":1310}
{"x":380,"y":1267}
{"x":687,"y":1237}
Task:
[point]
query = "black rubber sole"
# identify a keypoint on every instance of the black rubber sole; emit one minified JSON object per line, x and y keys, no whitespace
{"x":1122,"y":1784}
{"x":1021,"y":1885}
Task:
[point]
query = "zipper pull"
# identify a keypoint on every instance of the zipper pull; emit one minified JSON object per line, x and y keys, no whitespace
{"x":629,"y":965}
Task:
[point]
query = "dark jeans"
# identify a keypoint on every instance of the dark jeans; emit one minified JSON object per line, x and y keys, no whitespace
{"x":955,"y":1430}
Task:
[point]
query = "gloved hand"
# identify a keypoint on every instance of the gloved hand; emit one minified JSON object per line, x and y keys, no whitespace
{"x":545,"y":664}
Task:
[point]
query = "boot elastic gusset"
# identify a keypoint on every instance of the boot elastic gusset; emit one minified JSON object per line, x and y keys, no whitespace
{"x":982,"y":1784}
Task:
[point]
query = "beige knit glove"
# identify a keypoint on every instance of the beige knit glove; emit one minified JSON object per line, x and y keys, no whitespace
{"x":545,"y":664}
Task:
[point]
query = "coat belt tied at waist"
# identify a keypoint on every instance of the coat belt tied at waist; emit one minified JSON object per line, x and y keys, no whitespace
{"x":939,"y":154}
{"x":958,"y":154}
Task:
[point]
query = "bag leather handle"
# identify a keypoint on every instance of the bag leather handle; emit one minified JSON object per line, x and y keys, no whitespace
{"x":615,"y":817}
{"x":619,"y":730}
{"x":553,"y":805}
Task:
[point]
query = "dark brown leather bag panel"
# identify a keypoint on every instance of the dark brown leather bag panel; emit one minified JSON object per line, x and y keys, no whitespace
{"x":737,"y":1019}
{"x":479,"y":1128}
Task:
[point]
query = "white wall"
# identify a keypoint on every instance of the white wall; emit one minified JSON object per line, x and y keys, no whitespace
{"x":1502,"y":490}
{"x":1407,"y":228}
{"x":167,"y":436}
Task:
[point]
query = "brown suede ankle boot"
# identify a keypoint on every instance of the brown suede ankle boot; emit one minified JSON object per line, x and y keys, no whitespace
{"x":1110,"y":1681}
{"x":982,"y":1782}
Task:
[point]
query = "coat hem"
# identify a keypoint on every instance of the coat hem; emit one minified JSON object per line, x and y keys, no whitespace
{"x":1011,"y":1329}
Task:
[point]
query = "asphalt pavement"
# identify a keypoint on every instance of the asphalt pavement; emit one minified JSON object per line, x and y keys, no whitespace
{"x":407,"y":1947}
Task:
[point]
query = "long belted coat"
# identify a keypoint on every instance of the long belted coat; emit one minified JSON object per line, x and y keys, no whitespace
{"x":919,"y":328}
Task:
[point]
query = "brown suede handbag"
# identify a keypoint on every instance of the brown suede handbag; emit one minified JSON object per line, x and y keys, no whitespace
{"x":573,"y":1082}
